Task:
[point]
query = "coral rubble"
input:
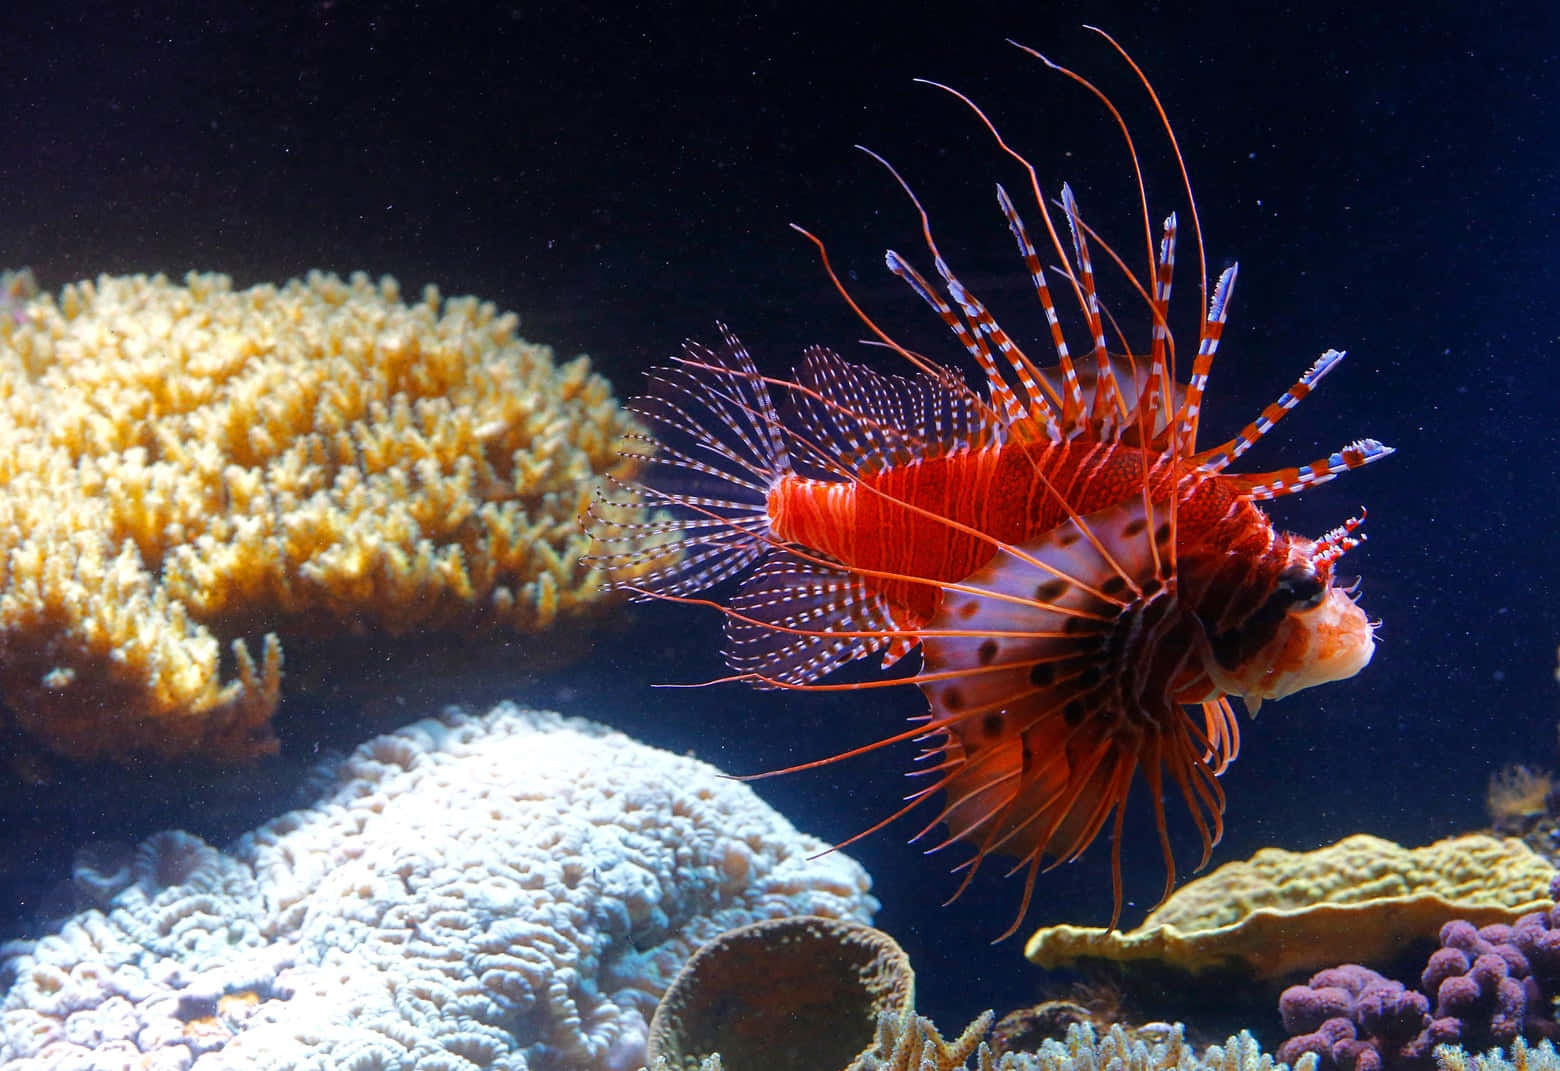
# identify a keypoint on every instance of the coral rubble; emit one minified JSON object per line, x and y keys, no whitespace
{"x":505,"y":891}
{"x":187,"y":467}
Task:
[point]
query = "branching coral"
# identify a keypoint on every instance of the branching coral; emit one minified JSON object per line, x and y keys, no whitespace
{"x":191,"y":465}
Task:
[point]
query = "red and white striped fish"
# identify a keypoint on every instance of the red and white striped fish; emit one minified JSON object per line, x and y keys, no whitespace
{"x":1087,"y":586}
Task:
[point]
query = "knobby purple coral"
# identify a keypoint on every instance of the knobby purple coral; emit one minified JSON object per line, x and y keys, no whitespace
{"x":1354,"y":1019}
{"x":1488,"y":986}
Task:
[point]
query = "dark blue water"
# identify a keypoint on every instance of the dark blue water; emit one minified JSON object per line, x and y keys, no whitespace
{"x":1388,"y":182}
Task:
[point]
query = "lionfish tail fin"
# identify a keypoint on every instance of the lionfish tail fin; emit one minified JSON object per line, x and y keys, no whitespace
{"x":697,"y":513}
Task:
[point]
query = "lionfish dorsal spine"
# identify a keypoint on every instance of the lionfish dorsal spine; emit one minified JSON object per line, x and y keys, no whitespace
{"x":1106,"y":392}
{"x":1202,"y":364}
{"x":1216,"y":459}
{"x":1068,"y":401}
{"x":1155,"y":399}
{"x":1292,"y":480}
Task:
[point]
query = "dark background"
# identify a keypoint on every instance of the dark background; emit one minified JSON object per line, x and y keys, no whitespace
{"x":1387,"y":178}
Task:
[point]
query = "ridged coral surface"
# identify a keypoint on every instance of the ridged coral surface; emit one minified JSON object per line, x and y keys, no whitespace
{"x":184,"y":466}
{"x":507,"y":891}
{"x":1282,"y":912}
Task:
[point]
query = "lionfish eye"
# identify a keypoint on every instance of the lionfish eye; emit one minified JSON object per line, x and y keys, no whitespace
{"x":1303,"y":587}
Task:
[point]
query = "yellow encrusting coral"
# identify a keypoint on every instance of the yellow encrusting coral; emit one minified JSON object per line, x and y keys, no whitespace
{"x":1281,"y":913}
{"x":186,"y":462}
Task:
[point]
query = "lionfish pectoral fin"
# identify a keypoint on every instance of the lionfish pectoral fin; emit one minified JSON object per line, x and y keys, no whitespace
{"x":797,"y":619}
{"x":1046,"y":670}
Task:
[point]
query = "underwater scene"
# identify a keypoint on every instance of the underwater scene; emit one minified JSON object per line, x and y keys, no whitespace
{"x":785,"y":537}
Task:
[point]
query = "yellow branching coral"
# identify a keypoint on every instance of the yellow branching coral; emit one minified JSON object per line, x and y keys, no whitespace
{"x":181,"y":463}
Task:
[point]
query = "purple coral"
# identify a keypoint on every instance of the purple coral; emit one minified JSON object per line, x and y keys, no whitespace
{"x":1356,"y":1020}
{"x":1488,"y":986}
{"x":1480,"y":980}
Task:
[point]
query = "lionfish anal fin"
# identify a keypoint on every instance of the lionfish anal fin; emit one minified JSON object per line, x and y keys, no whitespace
{"x":796,"y":620}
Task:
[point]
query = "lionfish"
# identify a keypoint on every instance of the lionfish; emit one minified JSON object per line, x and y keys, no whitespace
{"x":1086,"y":586}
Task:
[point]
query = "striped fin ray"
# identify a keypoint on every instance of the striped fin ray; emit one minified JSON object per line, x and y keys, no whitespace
{"x":1016,"y":406}
{"x":1265,"y":485}
{"x":706,"y":471}
{"x":1156,"y":400}
{"x":790,"y":614}
{"x":1107,"y":396}
{"x":1007,"y":406}
{"x":1069,"y":400}
{"x":1220,"y":456}
{"x":850,"y":418}
{"x":1185,"y":442}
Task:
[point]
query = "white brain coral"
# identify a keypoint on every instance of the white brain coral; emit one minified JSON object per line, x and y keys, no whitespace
{"x":508,"y":891}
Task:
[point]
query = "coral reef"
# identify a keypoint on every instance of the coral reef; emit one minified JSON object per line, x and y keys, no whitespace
{"x":1352,"y":1018}
{"x":721,"y":1012}
{"x":1284,"y":912}
{"x":17,"y":289}
{"x":912,"y":1043}
{"x":187,"y":466}
{"x":1494,"y":984}
{"x":1115,"y":1049}
{"x":503,"y":891}
{"x":1521,"y":1057}
{"x":1484,"y":988}
{"x":915,"y":1045}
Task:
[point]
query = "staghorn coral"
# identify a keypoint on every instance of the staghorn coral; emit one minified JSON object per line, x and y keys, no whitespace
{"x":505,"y":891}
{"x":1520,"y":1057}
{"x":913,"y":1044}
{"x":1284,"y":912}
{"x":185,"y":466}
{"x":1116,"y":1049}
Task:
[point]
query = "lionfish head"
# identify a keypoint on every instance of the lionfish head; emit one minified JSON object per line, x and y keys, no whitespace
{"x":1323,"y":634}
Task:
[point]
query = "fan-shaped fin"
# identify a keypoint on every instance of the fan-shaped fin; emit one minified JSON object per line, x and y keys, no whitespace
{"x":705,"y":476}
{"x":849,"y":416}
{"x":787,"y":593}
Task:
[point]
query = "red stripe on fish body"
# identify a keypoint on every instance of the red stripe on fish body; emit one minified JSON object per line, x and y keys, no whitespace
{"x":896,"y":520}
